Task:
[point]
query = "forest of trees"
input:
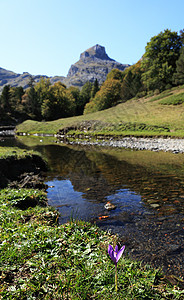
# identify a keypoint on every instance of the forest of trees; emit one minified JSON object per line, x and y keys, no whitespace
{"x":43,"y":101}
{"x":160,"y":68}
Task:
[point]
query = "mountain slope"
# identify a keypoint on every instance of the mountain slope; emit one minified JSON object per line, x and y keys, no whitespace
{"x":94,"y":63}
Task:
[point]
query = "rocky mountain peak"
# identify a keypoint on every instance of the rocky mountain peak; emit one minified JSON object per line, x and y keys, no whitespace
{"x":94,"y":63}
{"x":95,"y":52}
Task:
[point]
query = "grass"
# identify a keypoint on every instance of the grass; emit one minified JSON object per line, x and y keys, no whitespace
{"x":173,"y":100}
{"x":16,"y":152}
{"x":40,"y":259}
{"x":160,"y":96}
{"x":147,"y":111}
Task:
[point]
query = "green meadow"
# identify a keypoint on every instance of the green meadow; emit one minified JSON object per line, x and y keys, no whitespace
{"x":157,"y":115}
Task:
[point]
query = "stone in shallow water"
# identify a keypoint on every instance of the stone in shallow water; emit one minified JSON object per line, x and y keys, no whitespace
{"x":154,"y":205}
{"x":109,"y":206}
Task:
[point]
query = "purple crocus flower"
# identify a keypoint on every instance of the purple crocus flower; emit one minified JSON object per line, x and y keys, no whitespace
{"x":115,"y":254}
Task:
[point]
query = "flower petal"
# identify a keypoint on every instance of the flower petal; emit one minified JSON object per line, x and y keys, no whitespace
{"x":111,"y":253}
{"x":116,"y":249}
{"x":120,"y":253}
{"x":110,"y":248}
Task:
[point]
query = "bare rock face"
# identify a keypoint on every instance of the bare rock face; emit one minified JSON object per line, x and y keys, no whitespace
{"x":94,"y":63}
{"x":95,"y":53}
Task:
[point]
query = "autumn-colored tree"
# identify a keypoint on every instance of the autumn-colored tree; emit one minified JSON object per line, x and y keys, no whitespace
{"x":132,"y":83}
{"x":59,"y":104}
{"x":115,"y":74}
{"x":42,"y":89}
{"x":108,"y":96}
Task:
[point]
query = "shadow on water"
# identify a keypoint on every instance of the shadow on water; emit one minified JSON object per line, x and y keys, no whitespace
{"x":145,"y":187}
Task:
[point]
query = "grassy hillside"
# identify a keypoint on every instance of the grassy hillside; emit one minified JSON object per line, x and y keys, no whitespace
{"x":162,"y":114}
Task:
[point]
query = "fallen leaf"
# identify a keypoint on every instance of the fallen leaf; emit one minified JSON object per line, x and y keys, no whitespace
{"x":103,"y":217}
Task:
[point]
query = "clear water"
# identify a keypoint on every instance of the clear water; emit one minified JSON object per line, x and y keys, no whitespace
{"x":146,"y":188}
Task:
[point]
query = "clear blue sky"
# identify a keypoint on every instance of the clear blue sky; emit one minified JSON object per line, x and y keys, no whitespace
{"x":47,"y":36}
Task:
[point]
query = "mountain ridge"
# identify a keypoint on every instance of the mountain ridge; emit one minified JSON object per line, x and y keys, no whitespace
{"x":94,"y":63}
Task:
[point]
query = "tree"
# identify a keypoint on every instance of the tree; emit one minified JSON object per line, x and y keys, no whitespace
{"x":159,"y":60}
{"x":85,"y":96}
{"x":16,"y":94}
{"x":75,"y":92}
{"x":59,"y":104}
{"x":108,"y":96}
{"x":178,"y":77}
{"x":132,"y":83}
{"x":182,"y":36}
{"x":31,"y":104}
{"x":5,"y":99}
{"x":30,"y":101}
{"x":95,"y":88}
{"x":42,"y":90}
{"x":115,"y":74}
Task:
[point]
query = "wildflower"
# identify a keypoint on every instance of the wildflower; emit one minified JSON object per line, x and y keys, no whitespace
{"x":115,"y":255}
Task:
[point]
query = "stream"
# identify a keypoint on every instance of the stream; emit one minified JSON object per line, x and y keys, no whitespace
{"x":145,"y":187}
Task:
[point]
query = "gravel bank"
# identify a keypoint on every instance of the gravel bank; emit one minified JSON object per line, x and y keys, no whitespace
{"x":153,"y":144}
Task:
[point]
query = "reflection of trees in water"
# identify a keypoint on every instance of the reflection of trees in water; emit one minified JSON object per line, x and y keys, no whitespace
{"x":98,"y":175}
{"x":155,"y":237}
{"x":154,"y":187}
{"x":84,"y":173}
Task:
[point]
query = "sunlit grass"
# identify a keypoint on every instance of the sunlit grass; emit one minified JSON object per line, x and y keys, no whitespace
{"x":6,"y":152}
{"x":148,"y":111}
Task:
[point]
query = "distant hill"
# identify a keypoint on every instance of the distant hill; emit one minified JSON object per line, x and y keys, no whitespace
{"x":14,"y":79}
{"x":94,"y":63}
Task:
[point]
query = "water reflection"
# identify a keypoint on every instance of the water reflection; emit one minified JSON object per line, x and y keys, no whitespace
{"x":149,"y":200}
{"x":146,"y":188}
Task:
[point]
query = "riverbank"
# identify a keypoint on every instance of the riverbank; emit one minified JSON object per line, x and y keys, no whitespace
{"x":134,"y":135}
{"x":20,"y":165}
{"x":138,"y":143}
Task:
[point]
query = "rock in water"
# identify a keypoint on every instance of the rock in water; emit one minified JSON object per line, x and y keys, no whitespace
{"x":109,"y":206}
